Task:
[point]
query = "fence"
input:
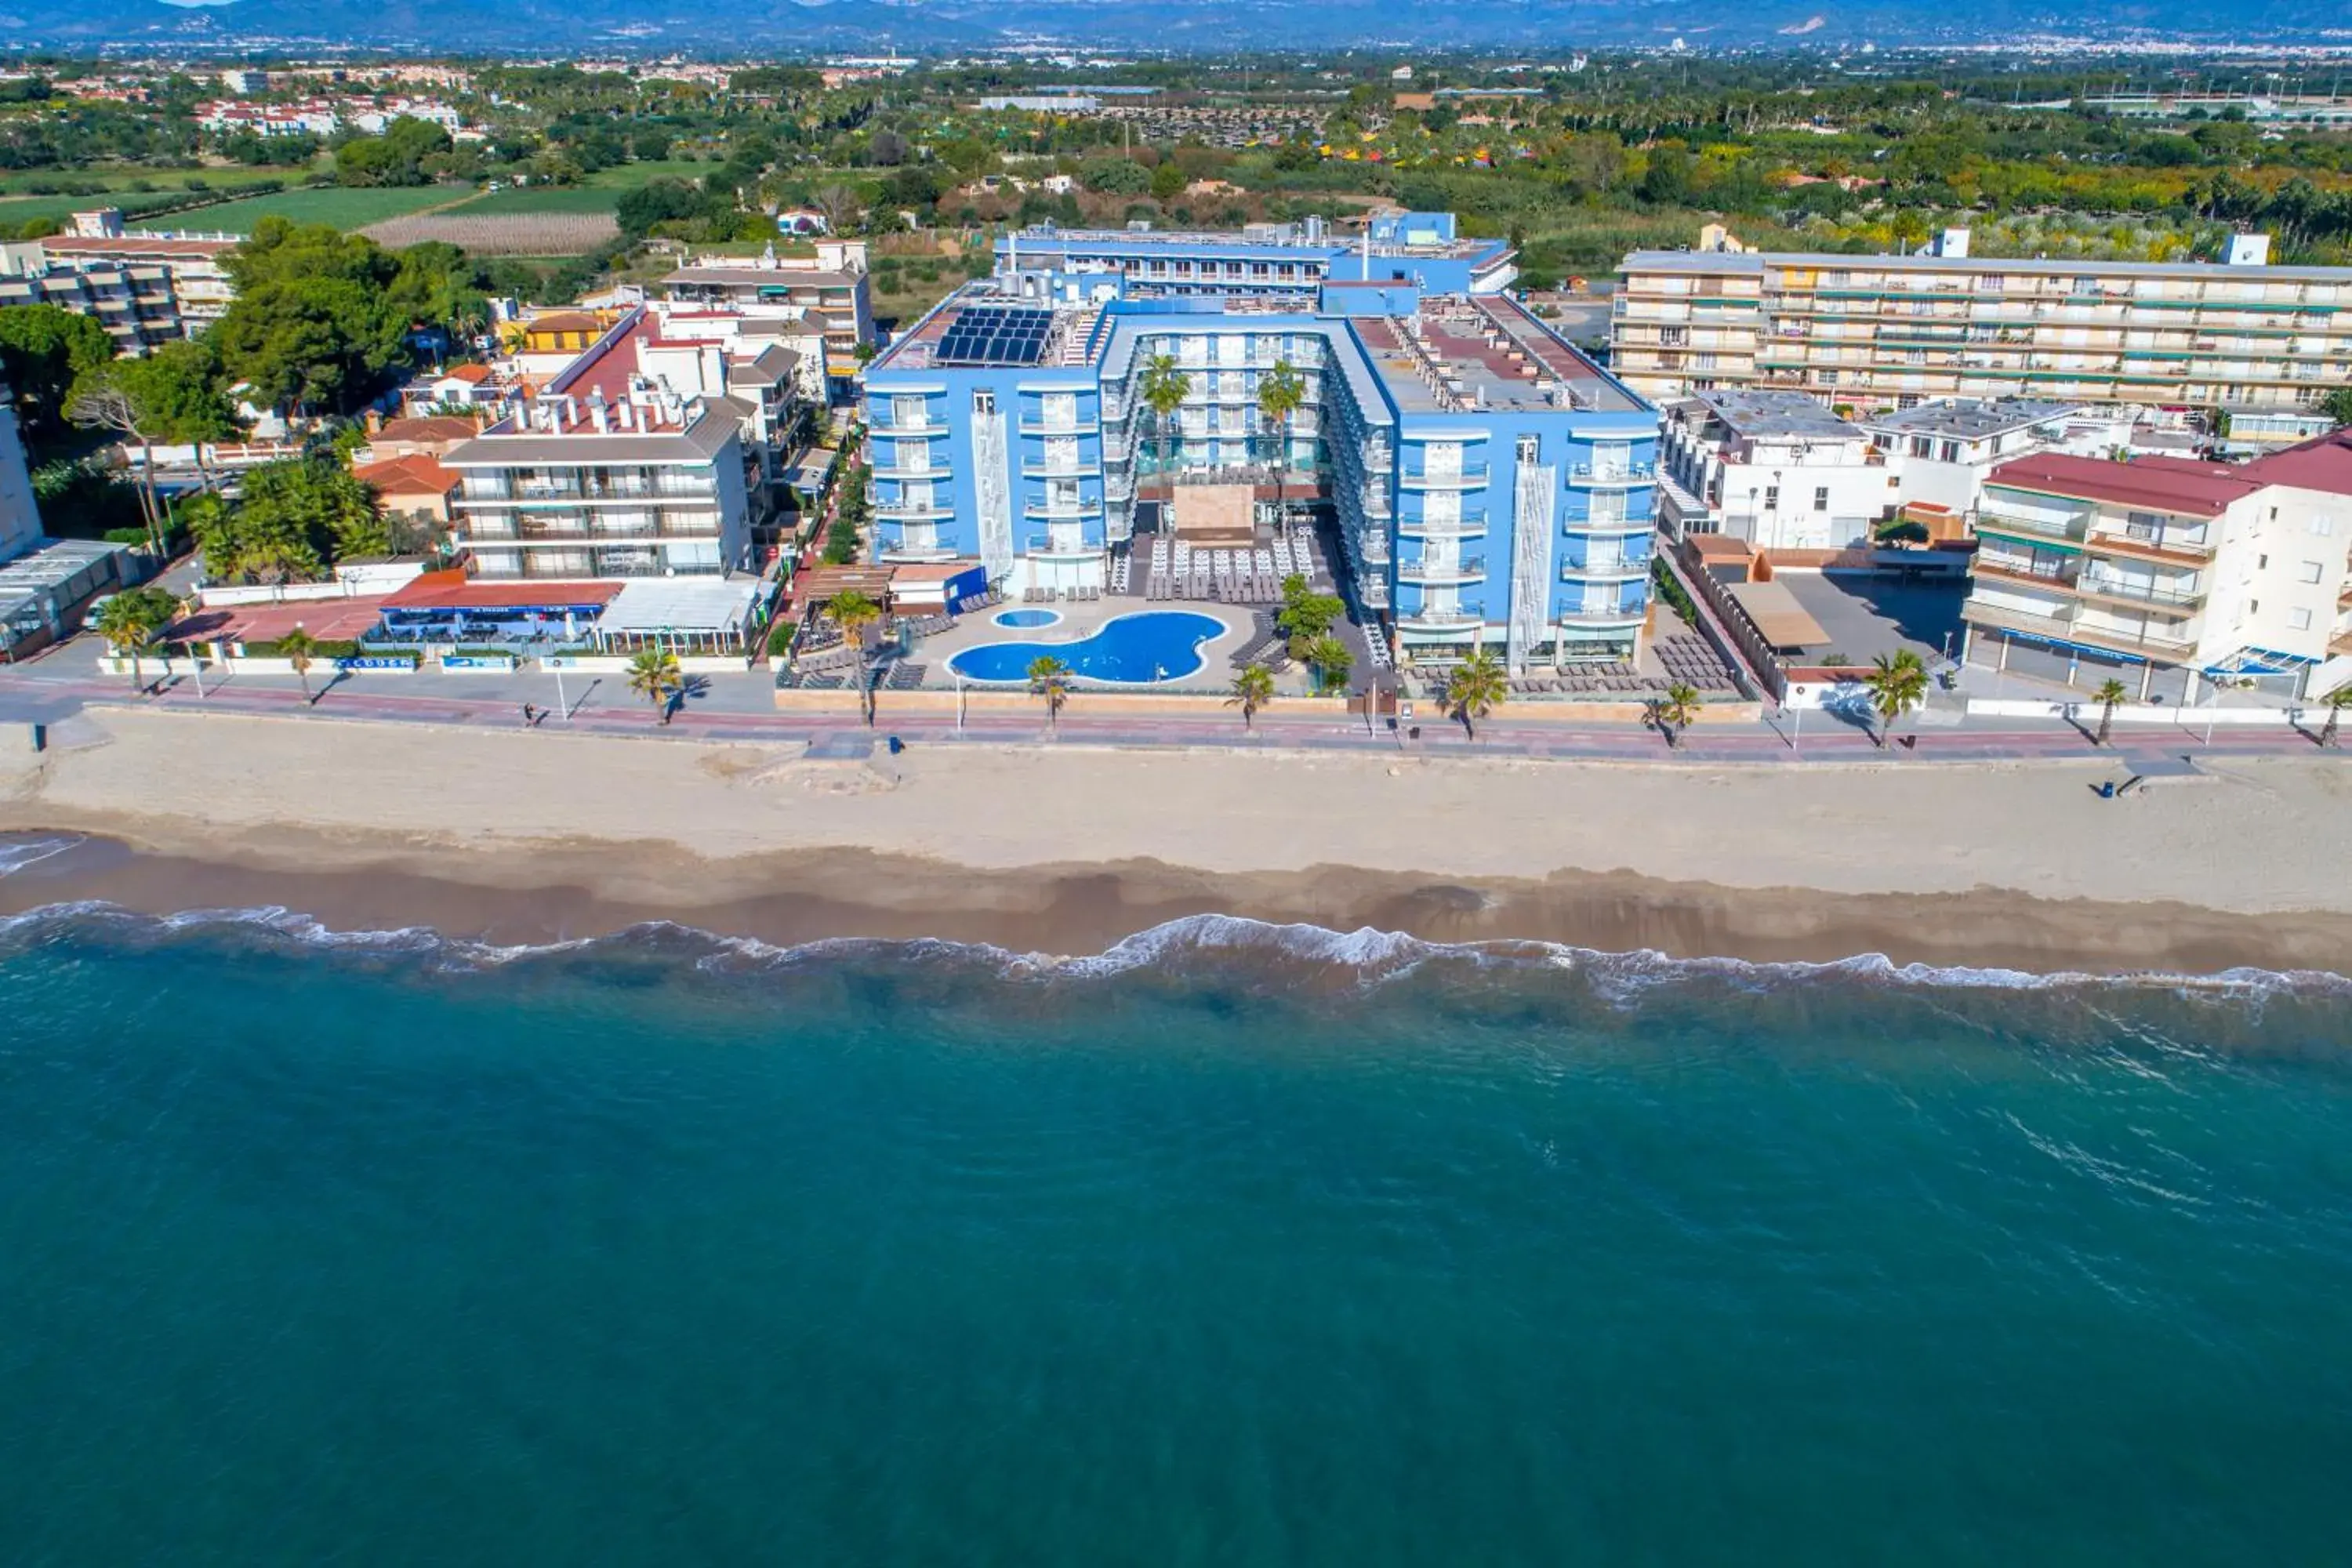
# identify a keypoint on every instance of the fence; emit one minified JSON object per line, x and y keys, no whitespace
{"x":1727,"y":628}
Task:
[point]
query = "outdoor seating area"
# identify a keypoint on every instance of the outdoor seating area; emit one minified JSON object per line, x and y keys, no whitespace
{"x":1074,"y":595}
{"x":1237,"y":575}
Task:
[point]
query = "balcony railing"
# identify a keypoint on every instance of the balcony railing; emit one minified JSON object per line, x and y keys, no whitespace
{"x":1994,"y":519}
{"x":2154,"y":544}
{"x":2139,"y":593}
{"x":1440,"y":619}
{"x":1613,"y":474}
{"x":1046,"y":469}
{"x":1470,"y":570}
{"x":1471,"y":477}
{"x":1079,"y":426}
{"x":896,"y":512}
{"x":1440,"y":528}
{"x":1621,"y":567}
{"x":1045,"y":544}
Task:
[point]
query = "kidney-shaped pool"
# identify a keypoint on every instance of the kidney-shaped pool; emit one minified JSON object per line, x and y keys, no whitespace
{"x":1129,"y":650}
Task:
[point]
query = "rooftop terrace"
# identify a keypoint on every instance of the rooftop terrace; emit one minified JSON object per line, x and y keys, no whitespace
{"x":1484,"y":350}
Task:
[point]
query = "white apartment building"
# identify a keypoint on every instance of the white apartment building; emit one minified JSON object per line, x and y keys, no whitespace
{"x":1775,"y":468}
{"x":2265,"y":344}
{"x":616,"y":471}
{"x":828,"y":292}
{"x":1940,"y":452}
{"x":2165,"y":564}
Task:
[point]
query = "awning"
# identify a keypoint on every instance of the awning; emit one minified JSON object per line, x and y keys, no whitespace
{"x":1783,"y":622}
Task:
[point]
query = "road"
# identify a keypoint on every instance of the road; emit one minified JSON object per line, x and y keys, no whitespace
{"x":729,"y":707}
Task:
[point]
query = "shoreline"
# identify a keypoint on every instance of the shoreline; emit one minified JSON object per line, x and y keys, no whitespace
{"x":558,"y":893}
{"x":519,"y":839}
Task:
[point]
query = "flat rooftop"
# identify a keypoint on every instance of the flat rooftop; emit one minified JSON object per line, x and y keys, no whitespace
{"x":1484,"y":350}
{"x":1045,"y":239}
{"x":1766,"y":413}
{"x":1972,"y":421}
{"x":1754,"y":262}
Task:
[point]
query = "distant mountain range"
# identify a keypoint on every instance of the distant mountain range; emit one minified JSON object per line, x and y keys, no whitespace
{"x":738,"y":27}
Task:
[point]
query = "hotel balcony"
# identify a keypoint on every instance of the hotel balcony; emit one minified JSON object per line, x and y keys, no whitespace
{"x":933,"y":470}
{"x":2182,"y":602}
{"x":1440,"y":528}
{"x":1440,"y":620}
{"x":898,"y":511}
{"x":1626,"y":568}
{"x":2159,"y":546}
{"x":1046,"y":511}
{"x":1588,"y":475}
{"x":1471,"y":477}
{"x":1065,"y":549}
{"x":927,"y":426}
{"x":1046,"y":469}
{"x":1473,"y":570}
{"x":1041,"y":426}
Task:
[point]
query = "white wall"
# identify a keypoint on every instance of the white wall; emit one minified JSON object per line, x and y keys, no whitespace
{"x":2286,"y":563}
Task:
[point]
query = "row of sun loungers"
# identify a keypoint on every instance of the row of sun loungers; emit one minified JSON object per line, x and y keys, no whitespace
{"x":1057,"y":595}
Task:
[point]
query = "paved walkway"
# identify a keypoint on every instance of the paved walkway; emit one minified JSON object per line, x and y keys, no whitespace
{"x":739,"y":708}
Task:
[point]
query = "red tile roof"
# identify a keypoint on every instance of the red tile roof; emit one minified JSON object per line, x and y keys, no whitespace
{"x":2179,"y":486}
{"x":475,"y":374}
{"x":428,"y":428}
{"x":415,"y":474}
{"x":452,"y":590}
{"x":2323,"y":463}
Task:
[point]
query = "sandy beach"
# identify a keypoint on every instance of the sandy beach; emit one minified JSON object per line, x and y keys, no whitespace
{"x":520,"y":837}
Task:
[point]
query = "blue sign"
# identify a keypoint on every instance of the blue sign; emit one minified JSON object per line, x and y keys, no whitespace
{"x":468,"y":661}
{"x":376,"y":662}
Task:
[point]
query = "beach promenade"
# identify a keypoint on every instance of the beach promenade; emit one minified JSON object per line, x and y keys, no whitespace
{"x":398,"y":805}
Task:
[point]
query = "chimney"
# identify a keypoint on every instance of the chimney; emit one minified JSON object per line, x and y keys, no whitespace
{"x":596,"y":412}
{"x":627,"y":414}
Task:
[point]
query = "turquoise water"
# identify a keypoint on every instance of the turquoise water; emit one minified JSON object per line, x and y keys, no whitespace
{"x":1233,"y":1247}
{"x":1026,"y":617}
{"x":1134,"y":649}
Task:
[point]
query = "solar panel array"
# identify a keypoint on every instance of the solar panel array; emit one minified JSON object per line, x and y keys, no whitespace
{"x":994,"y":334}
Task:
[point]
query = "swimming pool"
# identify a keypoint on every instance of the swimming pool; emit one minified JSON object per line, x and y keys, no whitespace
{"x":1129,"y":650}
{"x":1026,"y":617}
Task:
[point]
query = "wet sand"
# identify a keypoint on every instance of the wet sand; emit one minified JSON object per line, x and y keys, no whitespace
{"x":556,"y":892}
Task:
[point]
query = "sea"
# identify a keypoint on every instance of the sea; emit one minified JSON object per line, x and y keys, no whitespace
{"x":1231,"y":1245}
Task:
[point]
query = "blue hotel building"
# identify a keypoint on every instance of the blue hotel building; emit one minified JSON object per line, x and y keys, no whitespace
{"x":1485,"y":483}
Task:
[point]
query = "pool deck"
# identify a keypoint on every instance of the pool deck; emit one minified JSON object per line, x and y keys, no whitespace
{"x":1080,"y":621}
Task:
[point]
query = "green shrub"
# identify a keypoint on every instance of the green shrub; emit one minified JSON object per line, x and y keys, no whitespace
{"x":780,"y":640}
{"x":482,"y":653}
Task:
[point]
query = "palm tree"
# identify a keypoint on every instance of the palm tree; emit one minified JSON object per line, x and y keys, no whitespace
{"x":1475,"y":687}
{"x":1253,"y":689}
{"x":1280,"y":393}
{"x":1897,"y":683}
{"x":1328,"y":658}
{"x":2110,"y":692}
{"x":654,"y":675}
{"x":1163,"y":386}
{"x":1675,"y":711}
{"x":2335,"y":702}
{"x":853,"y":612}
{"x":1049,"y":678}
{"x":299,"y":647}
{"x":128,"y":624}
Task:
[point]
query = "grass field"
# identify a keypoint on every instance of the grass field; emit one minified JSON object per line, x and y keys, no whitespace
{"x":345,"y":208}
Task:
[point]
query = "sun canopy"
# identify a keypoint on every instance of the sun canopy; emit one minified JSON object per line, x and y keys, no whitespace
{"x":689,"y":607}
{"x":1785,"y":623}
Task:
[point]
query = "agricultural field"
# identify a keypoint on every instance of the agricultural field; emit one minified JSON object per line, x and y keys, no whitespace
{"x":542,"y":199}
{"x":345,"y":207}
{"x":500,"y":233}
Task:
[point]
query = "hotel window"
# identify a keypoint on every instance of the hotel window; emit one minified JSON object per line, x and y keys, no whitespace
{"x":1821,"y":498}
{"x":1922,"y":448}
{"x":1829,"y":378}
{"x":2322,"y":526}
{"x":909,"y":410}
{"x":2298,"y":620}
{"x":2308,"y":572}
{"x":1771,"y":498}
{"x":983,"y":403}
